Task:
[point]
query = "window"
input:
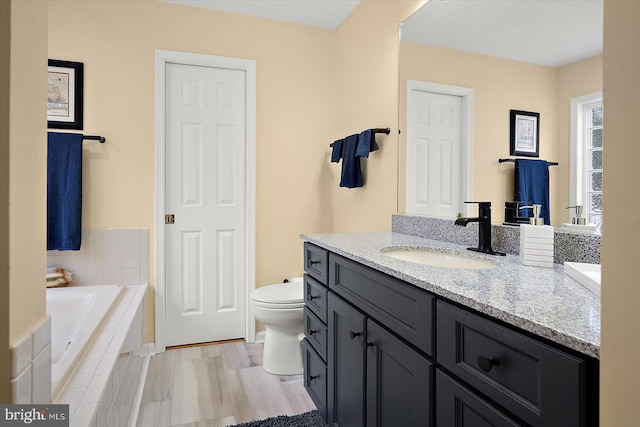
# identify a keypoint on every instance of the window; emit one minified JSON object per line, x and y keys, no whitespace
{"x":593,"y":178}
{"x":586,"y":156}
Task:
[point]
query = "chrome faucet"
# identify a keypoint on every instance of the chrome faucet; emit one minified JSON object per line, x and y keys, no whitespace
{"x":484,"y":228}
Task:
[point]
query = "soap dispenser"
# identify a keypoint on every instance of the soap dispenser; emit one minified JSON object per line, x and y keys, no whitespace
{"x":536,"y":240}
{"x":578,"y":223}
{"x":578,"y":220}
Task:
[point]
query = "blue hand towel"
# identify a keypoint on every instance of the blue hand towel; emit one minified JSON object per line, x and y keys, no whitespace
{"x":64,"y":191}
{"x":351,"y":176}
{"x":336,"y":152}
{"x":366,"y":143}
{"x":532,"y":183}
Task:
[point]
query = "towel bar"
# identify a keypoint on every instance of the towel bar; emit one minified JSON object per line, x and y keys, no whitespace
{"x":513,"y":161}
{"x":386,"y":131}
{"x":98,"y":138}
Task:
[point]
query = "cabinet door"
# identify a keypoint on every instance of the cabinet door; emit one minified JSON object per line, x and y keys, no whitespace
{"x":346,"y":363}
{"x":458,"y":407}
{"x":399,"y":382}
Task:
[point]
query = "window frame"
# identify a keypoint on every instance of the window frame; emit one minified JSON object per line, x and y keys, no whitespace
{"x":579,"y":173}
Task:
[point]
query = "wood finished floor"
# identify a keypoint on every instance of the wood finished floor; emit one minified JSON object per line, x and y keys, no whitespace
{"x":217,"y":385}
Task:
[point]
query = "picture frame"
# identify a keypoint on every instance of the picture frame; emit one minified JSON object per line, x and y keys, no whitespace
{"x":525,"y":133}
{"x":65,"y":97}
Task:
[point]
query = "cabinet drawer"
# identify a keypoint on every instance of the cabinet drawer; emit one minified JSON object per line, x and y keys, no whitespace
{"x":459,"y":407}
{"x":537,"y":383}
{"x":404,"y":309}
{"x":315,"y":262}
{"x":315,"y":377}
{"x":315,"y":297}
{"x":316,"y":332}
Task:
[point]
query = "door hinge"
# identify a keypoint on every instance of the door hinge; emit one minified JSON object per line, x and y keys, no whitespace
{"x":169,"y":219}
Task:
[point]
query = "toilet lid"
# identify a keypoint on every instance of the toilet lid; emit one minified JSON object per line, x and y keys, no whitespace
{"x":282,"y":293}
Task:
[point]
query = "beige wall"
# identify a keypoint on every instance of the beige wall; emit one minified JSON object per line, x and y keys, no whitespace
{"x":620,"y":349}
{"x":5,"y":46}
{"x":23,"y":151}
{"x":499,"y":86}
{"x":295,"y":86}
{"x":366,"y":73}
{"x":574,"y":80}
{"x":27,"y":166}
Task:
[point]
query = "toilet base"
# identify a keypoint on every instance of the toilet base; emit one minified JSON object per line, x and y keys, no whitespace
{"x":282,"y":353}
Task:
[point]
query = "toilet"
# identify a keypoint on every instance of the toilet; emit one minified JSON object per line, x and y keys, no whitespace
{"x":280,"y":308}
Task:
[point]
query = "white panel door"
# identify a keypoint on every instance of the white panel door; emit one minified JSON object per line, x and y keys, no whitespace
{"x":205,"y":190}
{"x":434,"y":154}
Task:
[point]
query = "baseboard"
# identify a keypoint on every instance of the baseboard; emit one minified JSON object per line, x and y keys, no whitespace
{"x":259,"y":337}
{"x":148,"y":349}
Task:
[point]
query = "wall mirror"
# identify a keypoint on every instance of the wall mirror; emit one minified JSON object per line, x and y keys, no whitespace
{"x":464,"y":64}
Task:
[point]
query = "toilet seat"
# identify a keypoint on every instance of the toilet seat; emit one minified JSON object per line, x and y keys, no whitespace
{"x":281,"y":295}
{"x":277,"y":306}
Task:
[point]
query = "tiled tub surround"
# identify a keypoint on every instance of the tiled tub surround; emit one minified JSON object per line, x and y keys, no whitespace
{"x":107,"y":257}
{"x":543,"y":301}
{"x":31,"y":365}
{"x":568,"y":246}
{"x":102,"y":389}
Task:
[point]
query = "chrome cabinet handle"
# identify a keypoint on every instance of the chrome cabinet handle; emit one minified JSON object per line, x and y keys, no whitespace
{"x":312,"y":297}
{"x":312,"y":262}
{"x":353,"y":334}
{"x":313,"y":331}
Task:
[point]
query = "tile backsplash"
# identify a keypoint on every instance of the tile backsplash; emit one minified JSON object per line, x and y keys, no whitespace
{"x":106,"y":257}
{"x":568,"y":246}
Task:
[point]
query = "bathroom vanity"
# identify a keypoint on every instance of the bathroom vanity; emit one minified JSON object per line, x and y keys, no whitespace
{"x":396,"y":343}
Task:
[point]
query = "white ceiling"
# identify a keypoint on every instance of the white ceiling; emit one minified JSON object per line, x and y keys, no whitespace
{"x":545,"y":32}
{"x":318,"y":13}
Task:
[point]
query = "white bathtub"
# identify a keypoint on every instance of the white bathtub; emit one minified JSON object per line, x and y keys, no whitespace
{"x":77,"y":313}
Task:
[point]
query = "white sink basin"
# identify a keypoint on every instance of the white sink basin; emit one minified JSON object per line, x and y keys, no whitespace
{"x":438,"y":258}
{"x":588,"y":275}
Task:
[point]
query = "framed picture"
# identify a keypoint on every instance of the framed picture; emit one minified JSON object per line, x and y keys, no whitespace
{"x":64,"y":102}
{"x":525,"y":133}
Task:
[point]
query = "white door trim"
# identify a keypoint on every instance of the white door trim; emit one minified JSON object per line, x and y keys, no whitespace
{"x":162,"y":57}
{"x":467,"y":134}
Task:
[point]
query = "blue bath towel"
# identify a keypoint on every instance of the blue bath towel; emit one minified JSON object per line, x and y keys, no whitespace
{"x":351,"y":176}
{"x":532,"y":183}
{"x":64,"y":191}
{"x":366,"y":143}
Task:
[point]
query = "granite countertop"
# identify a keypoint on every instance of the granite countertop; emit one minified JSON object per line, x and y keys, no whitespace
{"x":543,"y":301}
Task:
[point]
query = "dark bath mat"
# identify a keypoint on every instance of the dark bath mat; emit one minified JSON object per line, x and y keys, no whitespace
{"x":308,"y":419}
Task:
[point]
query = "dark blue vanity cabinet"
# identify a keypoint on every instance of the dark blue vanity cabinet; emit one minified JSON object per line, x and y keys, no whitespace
{"x":381,"y":352}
